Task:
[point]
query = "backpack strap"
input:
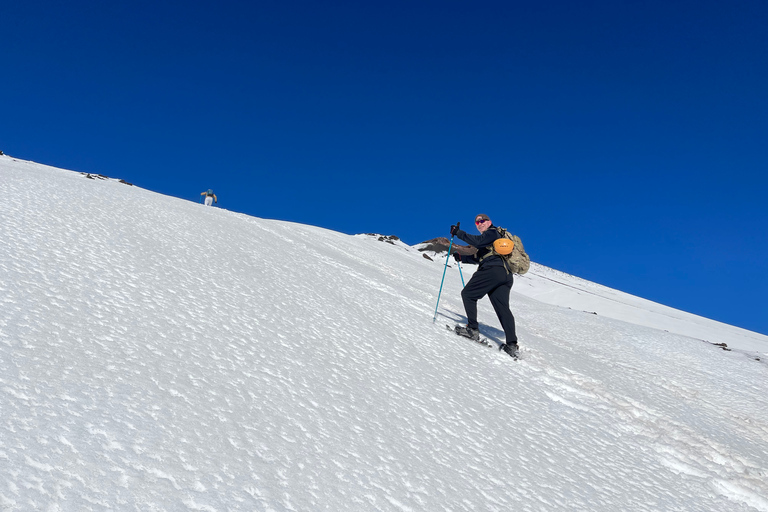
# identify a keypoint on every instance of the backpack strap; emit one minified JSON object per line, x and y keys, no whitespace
{"x":491,"y":252}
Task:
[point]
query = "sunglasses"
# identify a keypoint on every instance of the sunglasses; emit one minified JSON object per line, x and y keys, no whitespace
{"x":478,"y":222}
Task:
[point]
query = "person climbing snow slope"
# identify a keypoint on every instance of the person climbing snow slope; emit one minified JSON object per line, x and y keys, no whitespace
{"x":492,"y":278}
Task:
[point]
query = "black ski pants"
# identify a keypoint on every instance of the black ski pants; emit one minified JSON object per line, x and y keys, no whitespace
{"x":496,"y":283}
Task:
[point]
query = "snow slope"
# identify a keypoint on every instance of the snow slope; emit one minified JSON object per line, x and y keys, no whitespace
{"x":558,"y":288}
{"x":156,"y":354}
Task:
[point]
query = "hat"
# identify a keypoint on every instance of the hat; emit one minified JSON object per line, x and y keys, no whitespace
{"x":481,"y":216}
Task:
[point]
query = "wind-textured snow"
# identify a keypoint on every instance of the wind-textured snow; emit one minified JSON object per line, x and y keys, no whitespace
{"x":156,"y":354}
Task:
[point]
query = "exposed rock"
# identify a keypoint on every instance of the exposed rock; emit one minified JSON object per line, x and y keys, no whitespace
{"x":94,"y":176}
{"x":102,"y":177}
{"x":390,"y":239}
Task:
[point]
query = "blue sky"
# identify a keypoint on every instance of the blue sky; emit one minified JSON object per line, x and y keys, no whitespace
{"x":625,"y":142}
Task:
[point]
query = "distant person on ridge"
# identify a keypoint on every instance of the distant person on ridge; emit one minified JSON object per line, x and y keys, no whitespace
{"x":210,"y":197}
{"x":493,"y":278}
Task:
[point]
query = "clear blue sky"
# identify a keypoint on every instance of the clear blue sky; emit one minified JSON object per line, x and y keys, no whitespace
{"x":625,"y":142}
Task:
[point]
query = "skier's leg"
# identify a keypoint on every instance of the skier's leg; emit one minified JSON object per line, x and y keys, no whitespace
{"x":500,"y":301}
{"x":481,"y":283}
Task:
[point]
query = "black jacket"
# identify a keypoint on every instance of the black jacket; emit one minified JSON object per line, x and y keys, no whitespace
{"x":483,"y":242}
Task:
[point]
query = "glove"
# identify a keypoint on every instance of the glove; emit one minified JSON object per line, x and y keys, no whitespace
{"x":457,"y":257}
{"x":454,"y":230}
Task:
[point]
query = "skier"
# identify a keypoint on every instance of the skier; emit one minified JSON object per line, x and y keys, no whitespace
{"x":493,"y":278}
{"x":210,"y":197}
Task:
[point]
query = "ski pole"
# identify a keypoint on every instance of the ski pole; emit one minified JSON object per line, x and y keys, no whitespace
{"x":462,"y":275}
{"x":434,"y":319}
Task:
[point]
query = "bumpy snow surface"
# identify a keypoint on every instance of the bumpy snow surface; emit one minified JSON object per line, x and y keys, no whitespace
{"x":157,"y":354}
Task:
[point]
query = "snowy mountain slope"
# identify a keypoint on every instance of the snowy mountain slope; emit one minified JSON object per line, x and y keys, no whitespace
{"x":558,"y":288}
{"x":156,"y":354}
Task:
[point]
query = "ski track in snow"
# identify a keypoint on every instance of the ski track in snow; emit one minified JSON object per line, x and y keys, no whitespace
{"x":156,"y":354}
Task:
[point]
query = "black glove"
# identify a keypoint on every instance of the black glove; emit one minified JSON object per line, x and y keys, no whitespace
{"x":457,"y":257}
{"x":454,"y":230}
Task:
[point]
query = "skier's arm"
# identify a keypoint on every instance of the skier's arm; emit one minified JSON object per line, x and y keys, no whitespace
{"x":465,"y":258}
{"x":482,"y":240}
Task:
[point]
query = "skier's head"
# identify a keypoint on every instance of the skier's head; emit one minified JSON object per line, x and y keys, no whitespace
{"x":482,"y":222}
